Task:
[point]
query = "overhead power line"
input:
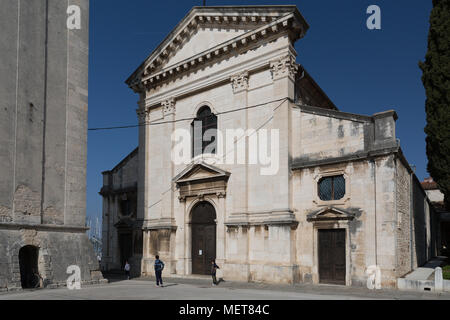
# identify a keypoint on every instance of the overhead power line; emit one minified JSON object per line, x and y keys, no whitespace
{"x":234,"y":147}
{"x":184,"y":119}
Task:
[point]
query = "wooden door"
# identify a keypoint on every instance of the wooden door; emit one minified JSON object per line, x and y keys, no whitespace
{"x":332,"y":265}
{"x":203,"y":238}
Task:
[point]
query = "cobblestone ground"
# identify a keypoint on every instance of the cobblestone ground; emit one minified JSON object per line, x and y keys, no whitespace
{"x":201,"y":289}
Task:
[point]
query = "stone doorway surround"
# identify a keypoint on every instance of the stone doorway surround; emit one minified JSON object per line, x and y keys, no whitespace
{"x":30,"y":238}
{"x":204,"y":229}
{"x":325,"y":219}
{"x":201,"y":182}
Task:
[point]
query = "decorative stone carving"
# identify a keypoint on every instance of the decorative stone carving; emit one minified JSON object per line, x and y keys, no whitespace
{"x":284,"y":67}
{"x":142,"y":115}
{"x":333,"y":214}
{"x":168,"y":107}
{"x":221,"y":194}
{"x":201,"y":196}
{"x":239,"y":82}
{"x":200,"y":180}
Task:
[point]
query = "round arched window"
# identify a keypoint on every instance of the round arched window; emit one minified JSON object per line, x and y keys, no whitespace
{"x":204,"y":129}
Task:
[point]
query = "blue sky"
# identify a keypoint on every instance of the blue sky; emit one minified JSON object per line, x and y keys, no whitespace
{"x":363,"y":71}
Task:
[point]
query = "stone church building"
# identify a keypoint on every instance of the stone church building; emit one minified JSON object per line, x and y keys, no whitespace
{"x":337,"y":200}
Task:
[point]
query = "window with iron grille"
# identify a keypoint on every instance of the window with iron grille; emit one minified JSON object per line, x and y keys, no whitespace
{"x":204,"y":132}
{"x":332,"y":188}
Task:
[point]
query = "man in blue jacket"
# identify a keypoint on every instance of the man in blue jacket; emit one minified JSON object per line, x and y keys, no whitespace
{"x":159,"y":266}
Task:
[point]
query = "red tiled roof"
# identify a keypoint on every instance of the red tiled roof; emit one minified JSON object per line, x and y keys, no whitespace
{"x":429,"y":184}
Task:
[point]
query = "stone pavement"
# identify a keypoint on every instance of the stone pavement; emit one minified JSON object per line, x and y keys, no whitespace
{"x":201,"y":289}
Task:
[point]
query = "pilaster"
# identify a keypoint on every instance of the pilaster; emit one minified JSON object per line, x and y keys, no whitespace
{"x":168,"y":113}
{"x":239,"y":84}
{"x":283,"y":74}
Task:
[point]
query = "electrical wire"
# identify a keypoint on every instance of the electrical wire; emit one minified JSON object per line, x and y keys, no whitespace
{"x":184,"y":119}
{"x":235,"y":143}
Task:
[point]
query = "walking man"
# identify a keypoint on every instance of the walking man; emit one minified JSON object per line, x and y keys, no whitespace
{"x":127,"y":269}
{"x":159,"y":267}
{"x":214,"y":268}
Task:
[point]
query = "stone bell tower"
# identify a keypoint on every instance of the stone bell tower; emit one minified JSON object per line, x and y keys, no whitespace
{"x":43,"y":139}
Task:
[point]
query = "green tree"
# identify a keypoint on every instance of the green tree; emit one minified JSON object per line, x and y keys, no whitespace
{"x":436,"y":80}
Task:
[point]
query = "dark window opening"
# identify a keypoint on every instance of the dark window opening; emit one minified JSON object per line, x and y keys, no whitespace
{"x":125,"y":207}
{"x":332,"y":188}
{"x":204,"y":132}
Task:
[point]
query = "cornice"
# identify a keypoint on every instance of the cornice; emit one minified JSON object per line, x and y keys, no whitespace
{"x":153,"y":72}
{"x":43,"y":227}
{"x":224,"y":76}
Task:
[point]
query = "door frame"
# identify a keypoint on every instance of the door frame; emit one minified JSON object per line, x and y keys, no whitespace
{"x":326,"y":226}
{"x":190,"y":233}
{"x":320,"y":250}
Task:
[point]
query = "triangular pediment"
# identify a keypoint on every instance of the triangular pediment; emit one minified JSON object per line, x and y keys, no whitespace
{"x":331,"y":214}
{"x":208,"y":32}
{"x":200,"y":172}
{"x":201,"y":40}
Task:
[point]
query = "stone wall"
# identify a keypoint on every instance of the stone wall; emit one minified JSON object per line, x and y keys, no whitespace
{"x":403,"y":199}
{"x":421,"y":226}
{"x":43,"y":134}
{"x":57,"y":251}
{"x":119,"y":184}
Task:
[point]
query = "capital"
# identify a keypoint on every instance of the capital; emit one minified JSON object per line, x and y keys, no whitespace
{"x":284,"y":67}
{"x":239,"y":82}
{"x":168,"y":107}
{"x":142,"y":115}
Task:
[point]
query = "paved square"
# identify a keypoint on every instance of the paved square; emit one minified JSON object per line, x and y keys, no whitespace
{"x":202,"y":289}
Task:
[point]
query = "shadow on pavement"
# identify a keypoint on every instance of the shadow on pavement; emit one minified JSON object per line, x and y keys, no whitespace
{"x":170,"y":285}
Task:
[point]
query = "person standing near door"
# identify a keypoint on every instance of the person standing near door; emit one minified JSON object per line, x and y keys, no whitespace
{"x":214,"y":268}
{"x":127,"y":269}
{"x":159,"y":267}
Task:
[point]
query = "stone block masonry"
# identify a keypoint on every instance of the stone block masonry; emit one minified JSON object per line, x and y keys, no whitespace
{"x":43,"y":138}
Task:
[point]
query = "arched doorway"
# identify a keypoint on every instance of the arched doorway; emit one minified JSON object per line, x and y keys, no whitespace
{"x":28,"y":261}
{"x":203,"y":237}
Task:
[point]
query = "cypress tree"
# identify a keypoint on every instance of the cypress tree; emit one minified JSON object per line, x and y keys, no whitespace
{"x":436,"y":80}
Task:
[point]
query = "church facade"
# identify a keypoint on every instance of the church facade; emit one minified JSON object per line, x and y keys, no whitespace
{"x":245,"y":160}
